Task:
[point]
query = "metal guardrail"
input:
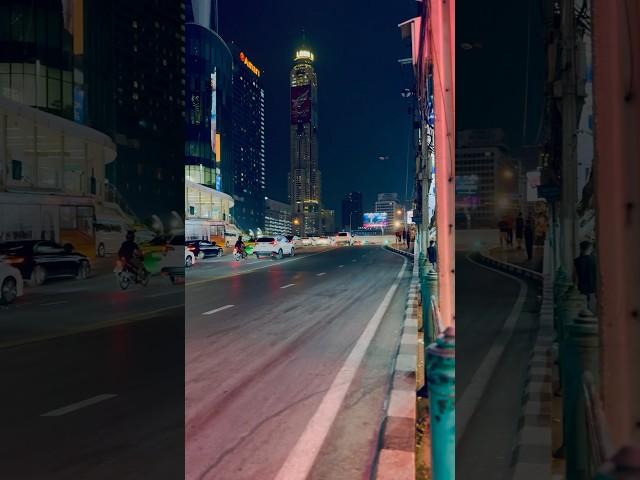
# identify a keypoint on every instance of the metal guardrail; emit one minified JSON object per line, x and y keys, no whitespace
{"x":598,"y":439}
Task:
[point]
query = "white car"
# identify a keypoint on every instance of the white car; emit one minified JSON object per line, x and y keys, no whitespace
{"x":277,"y":247}
{"x":172,"y":264}
{"x":296,"y":240}
{"x":343,"y":238}
{"x":11,"y":284}
{"x":189,"y":257}
{"x":306,"y":241}
{"x":323,"y":241}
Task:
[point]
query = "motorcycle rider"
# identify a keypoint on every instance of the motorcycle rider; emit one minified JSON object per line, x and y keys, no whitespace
{"x":240,"y":246}
{"x":132,"y":254}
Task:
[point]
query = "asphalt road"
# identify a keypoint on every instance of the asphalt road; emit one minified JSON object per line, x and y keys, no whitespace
{"x":265,"y":341}
{"x":485,"y":300}
{"x":94,"y":379}
{"x":103,"y":404}
{"x":63,"y":306}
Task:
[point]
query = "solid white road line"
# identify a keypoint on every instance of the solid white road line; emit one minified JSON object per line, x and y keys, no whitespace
{"x":54,"y":303}
{"x":320,"y":274}
{"x":162,"y":294}
{"x":218,"y":309}
{"x":470,"y":399}
{"x":288,"y":285}
{"x":302,"y":457}
{"x":354,"y":260}
{"x":77,"y":406}
{"x":340,"y":266}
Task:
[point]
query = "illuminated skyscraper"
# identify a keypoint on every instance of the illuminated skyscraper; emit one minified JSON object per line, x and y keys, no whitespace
{"x":304,"y":176}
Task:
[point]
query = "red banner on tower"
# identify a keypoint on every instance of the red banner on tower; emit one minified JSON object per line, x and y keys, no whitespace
{"x":300,"y":104}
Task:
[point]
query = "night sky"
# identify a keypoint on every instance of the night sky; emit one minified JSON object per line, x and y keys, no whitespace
{"x":362,"y":115}
{"x":490,"y":80}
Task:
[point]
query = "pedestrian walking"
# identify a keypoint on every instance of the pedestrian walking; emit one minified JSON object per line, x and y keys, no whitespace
{"x":432,"y":254}
{"x":528,"y":237}
{"x":519,"y":230}
{"x":502,"y":228}
{"x":510,"y":231}
{"x":404,"y":235}
{"x":585,"y":272}
{"x":408,"y":240}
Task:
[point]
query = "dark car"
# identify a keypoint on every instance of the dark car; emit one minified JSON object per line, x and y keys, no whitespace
{"x":39,"y":260}
{"x":203,"y":248}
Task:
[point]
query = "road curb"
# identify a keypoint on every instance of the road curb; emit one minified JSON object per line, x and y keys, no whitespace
{"x":532,"y":455}
{"x":396,"y":445}
{"x":404,"y":253}
{"x":510,"y":267}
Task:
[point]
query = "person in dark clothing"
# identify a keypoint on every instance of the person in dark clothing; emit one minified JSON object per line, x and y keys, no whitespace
{"x":432,"y":254}
{"x":510,"y":231}
{"x":132,"y":254}
{"x":528,"y":237}
{"x":240,"y":245}
{"x":502,"y":227}
{"x":519,"y":230}
{"x":408,"y":239}
{"x":585,"y":271}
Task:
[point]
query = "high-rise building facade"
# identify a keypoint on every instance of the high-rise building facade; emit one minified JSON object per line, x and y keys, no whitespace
{"x":208,"y":158}
{"x":134,"y":92}
{"x":352,"y":211}
{"x":389,"y":204}
{"x":247,"y":138}
{"x":327,"y":221}
{"x":486,"y":179}
{"x":87,"y":62}
{"x":304,"y":175}
{"x":277,"y":217}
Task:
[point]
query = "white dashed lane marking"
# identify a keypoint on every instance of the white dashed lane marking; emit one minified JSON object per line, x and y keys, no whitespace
{"x":77,"y":406}
{"x":218,"y":309}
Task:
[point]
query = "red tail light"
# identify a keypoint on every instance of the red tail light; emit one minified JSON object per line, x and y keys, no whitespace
{"x":191,"y":247}
{"x":275,"y":242}
{"x":13,"y":260}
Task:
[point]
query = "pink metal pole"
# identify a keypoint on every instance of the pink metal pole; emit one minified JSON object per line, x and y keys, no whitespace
{"x":442,"y":37}
{"x":616,"y":49}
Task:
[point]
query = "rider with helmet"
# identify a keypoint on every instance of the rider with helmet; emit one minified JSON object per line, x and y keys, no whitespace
{"x":131,"y":253}
{"x":240,"y":246}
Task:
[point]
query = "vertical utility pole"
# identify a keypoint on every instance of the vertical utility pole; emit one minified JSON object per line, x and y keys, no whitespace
{"x":616,"y":173}
{"x":569,"y":125}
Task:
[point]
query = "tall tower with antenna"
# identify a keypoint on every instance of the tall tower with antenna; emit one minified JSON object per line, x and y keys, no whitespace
{"x":304,"y":174}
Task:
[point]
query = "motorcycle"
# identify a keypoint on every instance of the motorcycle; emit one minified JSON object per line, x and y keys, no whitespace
{"x":239,"y":255}
{"x":127,"y":276}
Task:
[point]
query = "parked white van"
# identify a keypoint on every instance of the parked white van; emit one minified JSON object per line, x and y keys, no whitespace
{"x":110,"y":234}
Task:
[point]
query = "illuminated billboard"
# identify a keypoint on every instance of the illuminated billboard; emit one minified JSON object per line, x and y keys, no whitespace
{"x":255,"y":70}
{"x":467,"y":184}
{"x":375,"y":220}
{"x":300,"y":104}
{"x":213,"y":109}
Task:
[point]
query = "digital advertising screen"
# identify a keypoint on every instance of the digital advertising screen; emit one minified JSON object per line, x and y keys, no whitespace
{"x":300,"y":104}
{"x":375,"y":220}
